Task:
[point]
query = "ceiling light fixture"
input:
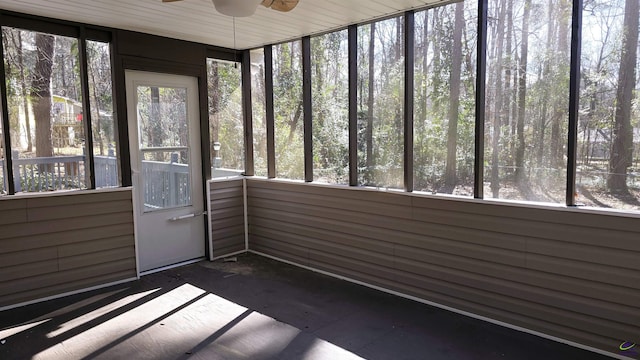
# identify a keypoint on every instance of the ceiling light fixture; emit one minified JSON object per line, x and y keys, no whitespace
{"x":236,"y":8}
{"x":244,"y":8}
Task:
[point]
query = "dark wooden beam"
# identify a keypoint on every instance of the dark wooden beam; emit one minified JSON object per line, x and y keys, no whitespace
{"x":86,"y":111}
{"x":270,"y":114}
{"x":409,"y":60}
{"x":353,"y":104}
{"x":120,"y":112}
{"x":574,"y":101}
{"x":249,"y":168}
{"x":306,"y":106}
{"x":481,"y":73}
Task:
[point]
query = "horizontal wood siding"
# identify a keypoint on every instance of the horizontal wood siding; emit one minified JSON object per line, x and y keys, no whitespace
{"x":568,"y":274}
{"x":227,"y":217}
{"x":52,"y":245}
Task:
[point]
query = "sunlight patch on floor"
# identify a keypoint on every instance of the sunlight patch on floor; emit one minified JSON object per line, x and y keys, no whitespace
{"x":181,"y":331}
{"x":94,"y":338}
{"x":81,"y":320}
{"x":186,"y":321}
{"x":79,"y":304}
{"x":4,"y":334}
{"x":321,"y":349}
{"x":256,"y":337}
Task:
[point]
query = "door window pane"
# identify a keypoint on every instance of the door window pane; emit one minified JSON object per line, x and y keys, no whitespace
{"x":380,"y":104}
{"x":226,"y":124}
{"x":527,"y":99}
{"x":444,"y":105}
{"x":166,"y":179}
{"x":102,"y":122}
{"x":608,"y":163}
{"x":45,"y":111}
{"x":330,"y":104}
{"x":287,"y":94}
{"x":163,"y":135}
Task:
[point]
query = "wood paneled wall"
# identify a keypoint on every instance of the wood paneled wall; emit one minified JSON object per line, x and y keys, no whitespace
{"x":226,"y":216}
{"x":562,"y":272}
{"x":56,"y":244}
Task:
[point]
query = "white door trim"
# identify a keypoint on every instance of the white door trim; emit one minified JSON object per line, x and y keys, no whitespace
{"x":191,"y":213}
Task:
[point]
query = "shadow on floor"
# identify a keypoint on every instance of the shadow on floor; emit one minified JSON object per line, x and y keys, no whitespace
{"x":256,"y":308}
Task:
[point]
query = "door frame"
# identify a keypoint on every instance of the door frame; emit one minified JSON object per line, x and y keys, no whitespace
{"x":122,"y":63}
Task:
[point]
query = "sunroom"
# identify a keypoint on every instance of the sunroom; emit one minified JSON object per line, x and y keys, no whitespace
{"x":481,"y":157}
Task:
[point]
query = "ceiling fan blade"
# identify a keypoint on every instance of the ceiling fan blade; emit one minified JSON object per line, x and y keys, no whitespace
{"x":170,"y":0}
{"x":280,"y":5}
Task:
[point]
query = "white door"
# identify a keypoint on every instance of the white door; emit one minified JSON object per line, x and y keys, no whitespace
{"x":164,"y":135}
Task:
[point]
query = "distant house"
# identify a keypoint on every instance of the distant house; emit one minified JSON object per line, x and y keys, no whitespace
{"x":67,"y":126}
{"x":600,"y":143}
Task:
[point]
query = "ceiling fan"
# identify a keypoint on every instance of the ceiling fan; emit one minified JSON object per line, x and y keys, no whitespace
{"x":242,"y":8}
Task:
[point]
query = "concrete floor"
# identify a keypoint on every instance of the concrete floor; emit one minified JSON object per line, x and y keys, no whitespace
{"x":256,"y":308}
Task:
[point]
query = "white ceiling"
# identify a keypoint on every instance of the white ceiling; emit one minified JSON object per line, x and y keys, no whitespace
{"x":197,"y":20}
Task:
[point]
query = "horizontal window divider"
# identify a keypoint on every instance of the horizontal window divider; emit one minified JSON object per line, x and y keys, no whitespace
{"x":168,"y":148}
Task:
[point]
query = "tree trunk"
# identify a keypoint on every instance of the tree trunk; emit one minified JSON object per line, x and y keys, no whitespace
{"x":522,"y":95}
{"x":591,"y":123}
{"x":622,"y":149}
{"x":294,"y":123}
{"x":23,"y":91}
{"x":435,"y":103}
{"x":548,"y":85}
{"x":369,"y":130}
{"x":399,"y":39}
{"x":557,"y":148}
{"x":95,"y":107}
{"x":425,"y":67}
{"x":41,"y":94}
{"x":155,"y":122}
{"x":511,"y":81}
{"x":214,"y":102}
{"x":450,"y":178}
{"x":63,"y":76}
{"x":495,"y":135}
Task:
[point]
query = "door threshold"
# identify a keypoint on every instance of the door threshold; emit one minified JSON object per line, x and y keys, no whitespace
{"x":167,"y":267}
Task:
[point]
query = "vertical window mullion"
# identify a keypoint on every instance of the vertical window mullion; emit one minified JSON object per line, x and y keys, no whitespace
{"x":120,"y":111}
{"x":8,"y":161}
{"x":86,"y":108}
{"x":306,"y":105}
{"x":478,"y":185}
{"x":353,"y":105}
{"x":409,"y":60}
{"x":270,"y":112}
{"x":205,"y":134}
{"x":574,"y":97}
{"x":249,"y":167}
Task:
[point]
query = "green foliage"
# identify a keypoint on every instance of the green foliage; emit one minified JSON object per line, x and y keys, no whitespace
{"x":287,"y":93}
{"x":225,"y":113}
{"x":433,"y":67}
{"x":101,"y":96}
{"x":259,"y":112}
{"x":381,"y":115}
{"x":329,"y":61}
{"x":39,"y":181}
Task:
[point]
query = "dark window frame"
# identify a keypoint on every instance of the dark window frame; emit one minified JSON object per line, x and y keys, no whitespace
{"x":82,"y":33}
{"x":85,"y":32}
{"x":481,"y":77}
